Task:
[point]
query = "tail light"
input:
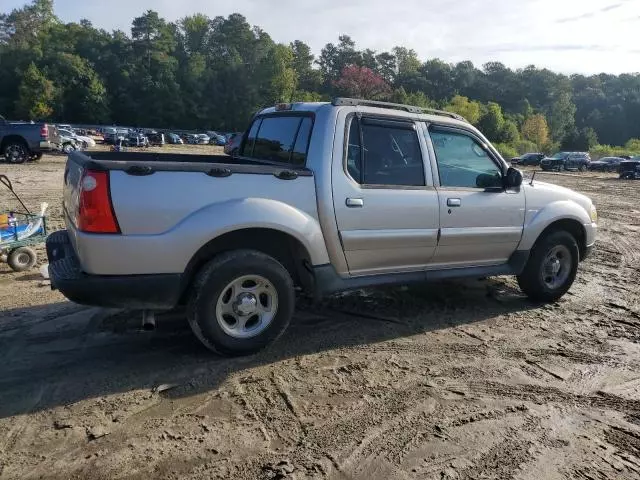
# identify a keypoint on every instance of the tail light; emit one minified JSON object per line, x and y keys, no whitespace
{"x":95,"y":210}
{"x":44,"y":131}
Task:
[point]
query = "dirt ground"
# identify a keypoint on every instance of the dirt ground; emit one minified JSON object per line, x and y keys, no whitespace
{"x":457,"y":380}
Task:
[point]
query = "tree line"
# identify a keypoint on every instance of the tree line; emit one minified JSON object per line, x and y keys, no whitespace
{"x":214,"y":73}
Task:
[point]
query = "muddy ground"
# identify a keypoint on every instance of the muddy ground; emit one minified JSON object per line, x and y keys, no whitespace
{"x":459,"y":380}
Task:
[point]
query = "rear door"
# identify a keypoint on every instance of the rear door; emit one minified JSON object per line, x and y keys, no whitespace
{"x":385,"y":204}
{"x":481,"y":222}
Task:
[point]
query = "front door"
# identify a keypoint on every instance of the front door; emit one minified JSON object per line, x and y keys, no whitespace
{"x":385,"y":204}
{"x":481,"y":222}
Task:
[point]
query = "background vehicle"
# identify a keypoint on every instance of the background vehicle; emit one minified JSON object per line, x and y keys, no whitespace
{"x":137,"y":139}
{"x":174,"y":139}
{"x":630,"y":169}
{"x":82,"y":140}
{"x":157,"y":139}
{"x":233,"y":144}
{"x":577,"y":161}
{"x":528,"y":159}
{"x":111,"y":135}
{"x":606,"y":164}
{"x":216,"y":138}
{"x":69,"y":144}
{"x":21,"y":141}
{"x":326,"y":197}
{"x":566,"y":161}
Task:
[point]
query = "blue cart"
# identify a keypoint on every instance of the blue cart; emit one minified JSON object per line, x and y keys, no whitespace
{"x":19,"y":231}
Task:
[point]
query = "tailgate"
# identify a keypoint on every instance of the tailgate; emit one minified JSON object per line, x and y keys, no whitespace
{"x":53,"y":134}
{"x":71,"y":187}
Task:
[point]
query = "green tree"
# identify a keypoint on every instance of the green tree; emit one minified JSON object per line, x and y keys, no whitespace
{"x":536,"y":130}
{"x":561,"y":116}
{"x":492,"y":121}
{"x":509,"y":133}
{"x":36,"y":95}
{"x":462,"y":106}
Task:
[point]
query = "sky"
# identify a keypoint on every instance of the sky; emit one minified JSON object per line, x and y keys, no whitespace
{"x":569,"y":36}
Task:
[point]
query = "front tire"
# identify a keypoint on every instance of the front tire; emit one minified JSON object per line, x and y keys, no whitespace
{"x":22,"y":259}
{"x":242,"y":301}
{"x":551,"y":268}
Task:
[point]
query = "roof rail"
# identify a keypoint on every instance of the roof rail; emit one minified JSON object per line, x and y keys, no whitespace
{"x":354,"y":102}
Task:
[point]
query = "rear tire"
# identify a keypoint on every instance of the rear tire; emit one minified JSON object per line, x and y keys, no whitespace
{"x":551,"y":268}
{"x":16,"y":152}
{"x":22,"y":259}
{"x":242,"y":301}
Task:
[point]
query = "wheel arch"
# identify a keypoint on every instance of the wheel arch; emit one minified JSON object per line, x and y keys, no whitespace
{"x":572,"y":226}
{"x":10,"y":139}
{"x":284,"y":247}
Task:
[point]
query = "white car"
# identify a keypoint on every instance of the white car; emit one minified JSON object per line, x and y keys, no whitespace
{"x":84,"y":141}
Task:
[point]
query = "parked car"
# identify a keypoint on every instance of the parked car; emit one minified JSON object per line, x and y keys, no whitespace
{"x":112,"y":135}
{"x":69,"y":144}
{"x":80,"y":139}
{"x":606,"y":164}
{"x":293,"y":211}
{"x":528,"y":159}
{"x":630,"y":169}
{"x":233,"y":144}
{"x":566,"y":161}
{"x":156,"y":139}
{"x":137,"y":139}
{"x":203,"y":139}
{"x":174,"y":139}
{"x":22,"y":141}
{"x":216,"y":138}
{"x":191,"y":139}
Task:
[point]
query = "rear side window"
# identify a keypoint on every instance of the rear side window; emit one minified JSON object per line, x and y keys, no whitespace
{"x":384,"y":153}
{"x":282,"y":139}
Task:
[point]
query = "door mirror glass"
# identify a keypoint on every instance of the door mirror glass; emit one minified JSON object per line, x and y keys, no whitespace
{"x":513,"y":178}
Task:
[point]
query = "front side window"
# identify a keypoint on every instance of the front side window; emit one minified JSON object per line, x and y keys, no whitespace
{"x":463,"y":161}
{"x":384,"y":153}
{"x":282,"y":139}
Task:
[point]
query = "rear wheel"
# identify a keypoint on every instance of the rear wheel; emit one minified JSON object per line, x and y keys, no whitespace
{"x":16,"y":152}
{"x":242,"y":301}
{"x":551,"y":268}
{"x":583,"y":168}
{"x":21,"y":259}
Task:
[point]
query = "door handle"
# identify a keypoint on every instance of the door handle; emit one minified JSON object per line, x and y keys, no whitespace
{"x":355,"y":202}
{"x":454,"y":202}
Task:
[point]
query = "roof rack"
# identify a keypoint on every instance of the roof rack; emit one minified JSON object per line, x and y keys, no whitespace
{"x":355,"y":102}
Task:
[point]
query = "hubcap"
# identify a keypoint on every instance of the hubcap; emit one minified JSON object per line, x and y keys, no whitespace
{"x":14,"y":153}
{"x":246,"y":306}
{"x":556,"y":267}
{"x":23,"y":259}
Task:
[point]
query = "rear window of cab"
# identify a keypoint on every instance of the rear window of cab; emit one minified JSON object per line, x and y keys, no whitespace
{"x":279,"y":138}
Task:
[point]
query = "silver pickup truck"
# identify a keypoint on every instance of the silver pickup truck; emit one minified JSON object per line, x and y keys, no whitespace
{"x":323,"y":197}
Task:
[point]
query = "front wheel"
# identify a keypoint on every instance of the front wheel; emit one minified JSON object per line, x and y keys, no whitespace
{"x":583,"y":168}
{"x":241,"y":302}
{"x":68,"y":148}
{"x":551,"y":268}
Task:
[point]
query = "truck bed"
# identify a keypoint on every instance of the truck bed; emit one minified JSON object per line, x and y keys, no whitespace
{"x":167,"y":206}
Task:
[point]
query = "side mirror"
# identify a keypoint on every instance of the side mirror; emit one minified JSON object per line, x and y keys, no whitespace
{"x":513,"y":178}
{"x":488,"y":180}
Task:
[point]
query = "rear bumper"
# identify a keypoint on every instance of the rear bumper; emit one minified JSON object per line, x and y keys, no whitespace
{"x":47,"y":146}
{"x":159,"y":292}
